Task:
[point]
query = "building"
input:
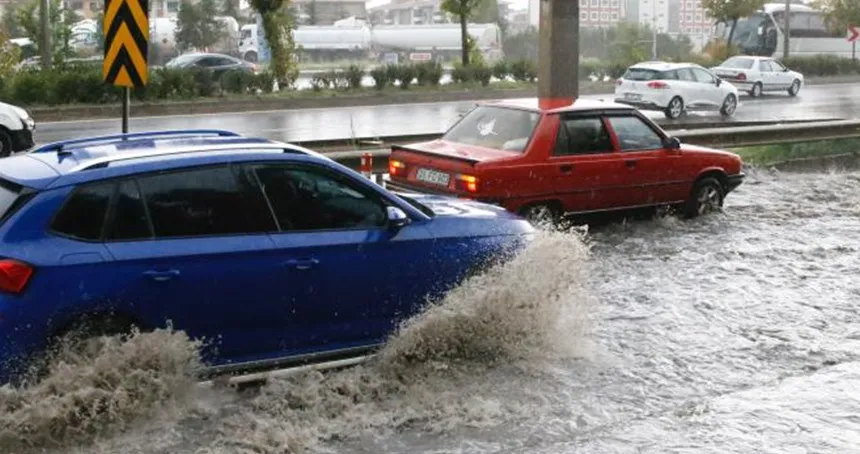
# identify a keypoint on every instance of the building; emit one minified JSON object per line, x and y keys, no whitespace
{"x":655,"y":13}
{"x":409,"y":12}
{"x":602,"y":13}
{"x":694,"y":22}
{"x":327,"y":12}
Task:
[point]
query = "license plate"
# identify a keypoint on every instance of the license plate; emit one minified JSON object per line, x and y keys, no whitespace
{"x":632,"y":96}
{"x":432,"y":176}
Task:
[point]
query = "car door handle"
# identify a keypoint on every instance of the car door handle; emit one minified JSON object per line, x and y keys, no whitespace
{"x":161,"y":276}
{"x":301,"y":264}
{"x":566,"y":168}
{"x":630,"y":163}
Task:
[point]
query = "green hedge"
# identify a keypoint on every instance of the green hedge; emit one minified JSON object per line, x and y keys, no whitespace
{"x":83,"y":84}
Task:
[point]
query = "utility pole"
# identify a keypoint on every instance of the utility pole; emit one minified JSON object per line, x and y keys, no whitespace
{"x":786,"y":30}
{"x":654,"y":30}
{"x":45,"y":45}
{"x":558,"y":52}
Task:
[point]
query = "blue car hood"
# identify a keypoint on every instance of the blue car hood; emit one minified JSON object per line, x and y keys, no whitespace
{"x":445,"y":206}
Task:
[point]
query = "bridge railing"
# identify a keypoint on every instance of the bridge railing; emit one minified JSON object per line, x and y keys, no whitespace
{"x":722,"y":137}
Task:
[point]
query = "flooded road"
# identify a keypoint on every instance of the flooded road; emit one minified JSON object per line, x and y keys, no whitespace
{"x":734,"y":333}
{"x":814,"y":102}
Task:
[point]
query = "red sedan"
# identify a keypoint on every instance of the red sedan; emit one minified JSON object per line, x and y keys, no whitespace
{"x":587,"y":157}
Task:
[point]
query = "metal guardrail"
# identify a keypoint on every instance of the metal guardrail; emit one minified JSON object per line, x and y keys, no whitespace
{"x":724,"y":138}
{"x":360,"y":143}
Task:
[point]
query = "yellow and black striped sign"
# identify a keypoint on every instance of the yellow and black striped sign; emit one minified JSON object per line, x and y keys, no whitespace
{"x":126,"y":30}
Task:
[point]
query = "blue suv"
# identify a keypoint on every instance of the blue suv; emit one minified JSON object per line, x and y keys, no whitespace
{"x":274,"y":253}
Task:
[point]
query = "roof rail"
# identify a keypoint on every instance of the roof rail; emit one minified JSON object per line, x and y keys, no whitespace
{"x":60,"y":146}
{"x":271,"y":146}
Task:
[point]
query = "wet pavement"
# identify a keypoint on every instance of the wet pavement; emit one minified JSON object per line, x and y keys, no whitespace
{"x":733,"y":333}
{"x":813,"y":102}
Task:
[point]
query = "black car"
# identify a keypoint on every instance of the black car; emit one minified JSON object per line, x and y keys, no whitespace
{"x":217,"y":63}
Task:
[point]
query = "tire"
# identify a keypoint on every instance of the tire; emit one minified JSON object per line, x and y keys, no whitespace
{"x":706,"y":197}
{"x":675,"y":108}
{"x":795,"y":88}
{"x":730,"y":106}
{"x":250,"y":57}
{"x":541,"y":214}
{"x":5,"y":144}
{"x":756,"y":90}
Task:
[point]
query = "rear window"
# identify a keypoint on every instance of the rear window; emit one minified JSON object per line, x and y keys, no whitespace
{"x":641,"y":74}
{"x":495,"y":127}
{"x":738,"y":63}
{"x":10,"y":199}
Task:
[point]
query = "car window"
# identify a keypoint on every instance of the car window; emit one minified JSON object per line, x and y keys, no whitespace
{"x":220,"y":61}
{"x":634,"y":134}
{"x":738,"y":63}
{"x":703,"y":76}
{"x":582,"y":136}
{"x":776,"y":66}
{"x":686,"y":75}
{"x":128,"y":220}
{"x":199,"y":202}
{"x":83,"y":213}
{"x":669,"y":75}
{"x":641,"y":74}
{"x":765,"y":66}
{"x":311,"y":199}
{"x":9,"y":194}
{"x":500,"y":128}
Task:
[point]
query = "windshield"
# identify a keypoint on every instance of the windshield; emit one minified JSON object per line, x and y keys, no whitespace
{"x":181,"y":60}
{"x":641,"y":74}
{"x":738,"y":63}
{"x":420,"y":206}
{"x":501,"y":128}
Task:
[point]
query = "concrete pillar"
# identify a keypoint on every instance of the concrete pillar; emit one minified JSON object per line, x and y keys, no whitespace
{"x":558,"y":54}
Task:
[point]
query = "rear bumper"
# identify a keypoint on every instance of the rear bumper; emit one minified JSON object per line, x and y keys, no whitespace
{"x":733,"y":181}
{"x":392,"y":185}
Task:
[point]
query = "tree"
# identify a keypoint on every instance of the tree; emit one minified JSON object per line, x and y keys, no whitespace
{"x":9,"y":57}
{"x":463,"y":9}
{"x":196,"y":27}
{"x":278,"y":30}
{"x":230,"y":8}
{"x":10,"y":26}
{"x":841,"y":14}
{"x":27,"y":17}
{"x":727,"y":11}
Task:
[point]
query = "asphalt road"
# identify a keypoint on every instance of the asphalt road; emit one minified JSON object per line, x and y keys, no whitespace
{"x":813,"y":102}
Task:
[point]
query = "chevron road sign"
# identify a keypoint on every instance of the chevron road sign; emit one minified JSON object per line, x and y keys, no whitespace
{"x":126,"y":31}
{"x":853,"y":33}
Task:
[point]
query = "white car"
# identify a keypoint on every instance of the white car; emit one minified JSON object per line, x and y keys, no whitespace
{"x":756,"y":75}
{"x":16,"y":129}
{"x":675,"y":88}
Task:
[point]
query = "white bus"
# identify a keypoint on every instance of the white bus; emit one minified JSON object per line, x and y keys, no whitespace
{"x":762,"y":33}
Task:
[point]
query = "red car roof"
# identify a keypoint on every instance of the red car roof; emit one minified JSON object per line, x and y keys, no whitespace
{"x":534,"y":104}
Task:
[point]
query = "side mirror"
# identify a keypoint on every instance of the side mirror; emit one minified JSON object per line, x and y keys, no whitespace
{"x":671,"y":143}
{"x":719,"y":81}
{"x":397,"y":218}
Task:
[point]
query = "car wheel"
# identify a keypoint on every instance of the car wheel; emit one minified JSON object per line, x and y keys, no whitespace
{"x":795,"y":88}
{"x":541,"y":214}
{"x":5,"y":144}
{"x":730,"y":105}
{"x":707,"y":197}
{"x":756,"y":90}
{"x":675,"y":108}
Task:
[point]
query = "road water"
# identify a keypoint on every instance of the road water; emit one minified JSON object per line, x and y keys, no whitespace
{"x":733,"y":333}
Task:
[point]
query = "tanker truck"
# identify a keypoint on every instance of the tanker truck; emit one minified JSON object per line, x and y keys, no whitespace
{"x":358,"y":41}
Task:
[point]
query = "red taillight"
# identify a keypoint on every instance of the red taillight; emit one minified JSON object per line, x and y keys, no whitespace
{"x":14,"y":275}
{"x":658,"y":85}
{"x":396,"y":168}
{"x":742,"y":76}
{"x":468,"y":183}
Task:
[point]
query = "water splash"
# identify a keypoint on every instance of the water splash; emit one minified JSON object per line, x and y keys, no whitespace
{"x":433,"y":375}
{"x":84,"y":397}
